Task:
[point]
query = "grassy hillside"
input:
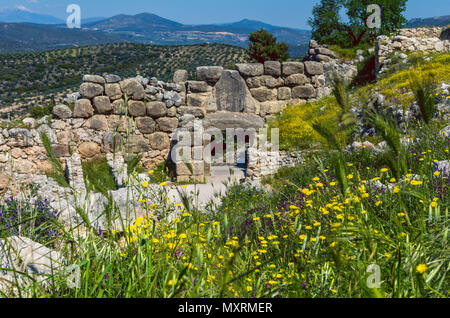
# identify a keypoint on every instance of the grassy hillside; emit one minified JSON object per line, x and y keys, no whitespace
{"x":29,"y":79}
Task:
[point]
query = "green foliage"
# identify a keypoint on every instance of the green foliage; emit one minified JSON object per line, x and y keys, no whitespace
{"x":58,"y":173}
{"x":424,"y":92}
{"x":98,"y":175}
{"x":38,"y":112}
{"x":329,"y":28}
{"x":263,"y":47}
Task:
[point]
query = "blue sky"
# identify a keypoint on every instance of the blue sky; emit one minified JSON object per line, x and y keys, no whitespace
{"x":290,"y":13}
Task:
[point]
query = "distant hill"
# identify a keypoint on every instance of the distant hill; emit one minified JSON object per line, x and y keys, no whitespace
{"x":22,"y":15}
{"x":143,"y":28}
{"x":24,"y":37}
{"x":434,"y":21}
{"x":150,"y":28}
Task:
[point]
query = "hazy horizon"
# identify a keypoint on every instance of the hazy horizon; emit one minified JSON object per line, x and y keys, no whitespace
{"x":292,"y":14}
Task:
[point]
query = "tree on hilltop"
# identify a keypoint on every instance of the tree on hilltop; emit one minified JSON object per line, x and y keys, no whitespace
{"x":263,"y":47}
{"x":328,"y":27}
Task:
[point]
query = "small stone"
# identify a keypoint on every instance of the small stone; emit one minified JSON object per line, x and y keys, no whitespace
{"x":62,"y":112}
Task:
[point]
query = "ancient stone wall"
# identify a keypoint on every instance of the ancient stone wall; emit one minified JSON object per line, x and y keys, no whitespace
{"x":409,"y":41}
{"x":140,"y":115}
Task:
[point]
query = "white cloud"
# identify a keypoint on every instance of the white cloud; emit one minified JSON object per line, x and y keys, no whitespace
{"x":23,"y":8}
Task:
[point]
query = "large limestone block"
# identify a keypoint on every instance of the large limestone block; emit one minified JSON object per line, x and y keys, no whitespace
{"x":90,"y":90}
{"x":264,"y":94}
{"x":210,"y":74}
{"x":133,"y":89}
{"x":83,"y":109}
{"x":137,"y":108}
{"x":306,"y":91}
{"x":289,"y":68}
{"x":272,"y":68}
{"x":224,"y":120}
{"x":102,"y":105}
{"x":146,"y":125}
{"x":250,"y":69}
{"x":232,"y":94}
{"x":156,"y":109}
{"x":314,"y":68}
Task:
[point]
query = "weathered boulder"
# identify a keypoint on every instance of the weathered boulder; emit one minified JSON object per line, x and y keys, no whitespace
{"x":159,"y":141}
{"x":272,"y":68}
{"x":306,"y":91}
{"x":180,"y":76}
{"x":250,"y":69}
{"x":113,"y":91}
{"x":198,"y":87}
{"x":324,"y":51}
{"x":102,"y":105}
{"x":232,"y":94}
{"x":90,"y":90}
{"x":20,"y":137}
{"x":210,"y":74}
{"x":45,"y":129}
{"x":137,"y":144}
{"x":197,"y":112}
{"x":156,"y":109}
{"x":167,"y":124}
{"x":83,"y":109}
{"x":284,"y":93}
{"x":266,"y":80}
{"x":23,"y":255}
{"x":136,"y":108}
{"x":224,"y":120}
{"x":313,"y":68}
{"x":198,"y":99}
{"x":119,"y":107}
{"x":97,"y":122}
{"x":146,"y":125}
{"x":111,"y":78}
{"x":289,"y":68}
{"x":89,"y":149}
{"x":94,"y":79}
{"x":445,"y":35}
{"x":296,"y":80}
{"x":133,"y":89}
{"x":61,"y":112}
{"x":264,"y":94}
